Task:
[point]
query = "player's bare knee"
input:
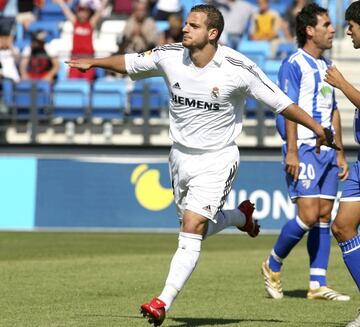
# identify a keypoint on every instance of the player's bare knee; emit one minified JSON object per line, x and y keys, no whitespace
{"x":308,"y":220}
{"x":342,"y":232}
{"x":325,"y":218}
{"x":193,"y":226}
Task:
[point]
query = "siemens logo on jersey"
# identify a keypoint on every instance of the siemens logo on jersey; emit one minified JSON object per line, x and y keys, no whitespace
{"x":195,"y":103}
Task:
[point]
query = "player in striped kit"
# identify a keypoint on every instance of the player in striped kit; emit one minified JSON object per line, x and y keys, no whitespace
{"x":312,"y":179}
{"x":347,"y":220}
{"x":209,"y":84}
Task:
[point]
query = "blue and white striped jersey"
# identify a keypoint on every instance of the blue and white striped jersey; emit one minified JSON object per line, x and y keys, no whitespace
{"x":357,"y":126}
{"x":301,"y":77}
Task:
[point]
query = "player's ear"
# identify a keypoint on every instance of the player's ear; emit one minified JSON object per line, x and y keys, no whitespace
{"x":213,"y":33}
{"x":309,"y":30}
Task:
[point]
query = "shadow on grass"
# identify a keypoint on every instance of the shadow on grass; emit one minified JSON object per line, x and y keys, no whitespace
{"x":190,"y":322}
{"x":296,"y":293}
{"x":193,"y":322}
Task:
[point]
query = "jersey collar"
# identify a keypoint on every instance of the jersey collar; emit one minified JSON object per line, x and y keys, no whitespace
{"x":217,"y":59}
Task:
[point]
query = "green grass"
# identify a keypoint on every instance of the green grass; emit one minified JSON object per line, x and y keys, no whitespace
{"x":100,"y":279}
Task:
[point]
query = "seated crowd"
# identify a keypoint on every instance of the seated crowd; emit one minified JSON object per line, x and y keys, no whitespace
{"x":28,"y":50}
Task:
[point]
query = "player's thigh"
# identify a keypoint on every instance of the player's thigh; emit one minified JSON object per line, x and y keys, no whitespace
{"x":211,"y":180}
{"x":347,"y":220}
{"x":326,"y":206}
{"x":178,"y":161}
{"x":202,"y":181}
{"x":310,"y":173}
{"x":348,"y":216}
{"x":308,"y":209}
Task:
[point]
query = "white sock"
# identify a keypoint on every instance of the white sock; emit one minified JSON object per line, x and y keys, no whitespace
{"x":182,"y":265}
{"x":224,"y":219}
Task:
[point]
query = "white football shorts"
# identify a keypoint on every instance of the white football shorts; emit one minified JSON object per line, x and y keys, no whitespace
{"x":202,"y":180}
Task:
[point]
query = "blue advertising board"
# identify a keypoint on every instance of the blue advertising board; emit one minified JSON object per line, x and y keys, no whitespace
{"x":17,"y":192}
{"x":94,"y":194}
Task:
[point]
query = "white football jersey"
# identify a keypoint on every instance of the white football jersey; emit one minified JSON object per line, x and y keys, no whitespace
{"x":206,"y":105}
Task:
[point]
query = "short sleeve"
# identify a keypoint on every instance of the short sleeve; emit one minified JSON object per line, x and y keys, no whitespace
{"x":142,"y":65}
{"x":289,"y":78}
{"x":260,"y":87}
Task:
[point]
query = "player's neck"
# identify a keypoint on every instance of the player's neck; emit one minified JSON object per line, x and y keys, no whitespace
{"x":201,"y":57}
{"x":313,"y":50}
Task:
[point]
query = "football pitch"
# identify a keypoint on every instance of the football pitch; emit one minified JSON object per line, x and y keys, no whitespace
{"x":100,"y":279}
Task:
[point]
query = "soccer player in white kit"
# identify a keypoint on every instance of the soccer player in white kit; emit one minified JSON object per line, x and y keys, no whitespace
{"x":208,"y":85}
{"x":347,"y":220}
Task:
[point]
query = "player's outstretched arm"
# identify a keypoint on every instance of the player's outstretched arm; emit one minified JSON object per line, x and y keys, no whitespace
{"x":114,"y":63}
{"x":324,"y":136}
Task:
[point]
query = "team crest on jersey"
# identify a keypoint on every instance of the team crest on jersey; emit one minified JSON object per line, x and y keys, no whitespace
{"x":306,"y":183}
{"x":215,"y":92}
{"x":145,"y":53}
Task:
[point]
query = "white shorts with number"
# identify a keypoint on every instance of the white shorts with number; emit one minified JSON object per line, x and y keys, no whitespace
{"x":202,"y":180}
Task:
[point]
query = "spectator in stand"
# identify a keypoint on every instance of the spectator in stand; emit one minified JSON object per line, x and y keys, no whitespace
{"x":237,"y":15}
{"x":26,"y":11}
{"x":290,"y":18}
{"x":84,"y":22}
{"x":96,"y":5}
{"x":266,"y":23}
{"x":174,"y":33}
{"x":165,"y":8}
{"x":8,"y":12}
{"x":38,"y":61}
{"x":9,"y":57}
{"x":140,"y":33}
{"x":121,"y":9}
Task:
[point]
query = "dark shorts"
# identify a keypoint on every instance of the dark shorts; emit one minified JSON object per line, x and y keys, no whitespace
{"x":6,"y":25}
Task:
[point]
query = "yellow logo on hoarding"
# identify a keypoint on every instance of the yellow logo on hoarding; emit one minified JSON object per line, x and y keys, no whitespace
{"x":148,"y":190}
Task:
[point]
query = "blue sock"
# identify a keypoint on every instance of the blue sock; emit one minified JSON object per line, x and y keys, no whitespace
{"x":351,"y":255}
{"x":318,"y":246}
{"x":291,"y":233}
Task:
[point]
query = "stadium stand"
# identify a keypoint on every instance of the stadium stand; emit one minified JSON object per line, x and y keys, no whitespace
{"x":112,"y":30}
{"x":284,"y":49}
{"x":155,"y":90}
{"x":258,"y":51}
{"x":52,"y":29}
{"x":51,"y":12}
{"x":108,"y":99}
{"x":71,"y":99}
{"x":112,"y":99}
{"x":21,"y":97}
{"x":122,"y":7}
{"x":162,"y":25}
{"x":271,"y":68}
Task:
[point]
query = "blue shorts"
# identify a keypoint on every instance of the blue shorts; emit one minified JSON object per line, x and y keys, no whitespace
{"x":318,"y":176}
{"x":351,"y":191}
